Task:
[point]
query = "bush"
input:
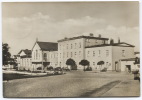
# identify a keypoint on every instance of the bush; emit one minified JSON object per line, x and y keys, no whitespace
{"x":50,"y":68}
{"x":88,"y":69}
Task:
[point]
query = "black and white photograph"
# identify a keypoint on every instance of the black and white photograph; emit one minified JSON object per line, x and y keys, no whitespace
{"x":82,"y":49}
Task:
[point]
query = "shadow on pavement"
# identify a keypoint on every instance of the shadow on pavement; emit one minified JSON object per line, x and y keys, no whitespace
{"x":12,"y":76}
{"x":99,"y":91}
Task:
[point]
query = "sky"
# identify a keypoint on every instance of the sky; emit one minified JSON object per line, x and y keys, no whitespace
{"x":22,"y":23}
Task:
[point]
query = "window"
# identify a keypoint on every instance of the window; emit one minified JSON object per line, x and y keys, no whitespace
{"x":39,"y":55}
{"x":99,"y":53}
{"x":71,"y":46}
{"x":107,"y":53}
{"x":96,"y":41}
{"x":123,"y":53}
{"x":45,"y":56}
{"x":67,"y":54}
{"x":67,"y":46}
{"x":75,"y":54}
{"x":79,"y":45}
{"x":88,"y":53}
{"x":94,"y":63}
{"x":86,"y":40}
{"x":93,"y":53}
{"x":71,"y":54}
{"x":36,"y":54}
{"x":60,"y":55}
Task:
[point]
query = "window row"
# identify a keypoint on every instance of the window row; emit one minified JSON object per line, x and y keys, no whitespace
{"x":50,"y":56}
{"x":70,"y":54}
{"x":93,"y":53}
{"x":70,"y":46}
{"x":95,"y":41}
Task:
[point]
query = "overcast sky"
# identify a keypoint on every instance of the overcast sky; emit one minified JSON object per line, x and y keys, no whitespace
{"x":24,"y":22}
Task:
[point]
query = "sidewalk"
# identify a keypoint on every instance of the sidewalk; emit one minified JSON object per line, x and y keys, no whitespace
{"x":26,"y":73}
{"x":129,"y":88}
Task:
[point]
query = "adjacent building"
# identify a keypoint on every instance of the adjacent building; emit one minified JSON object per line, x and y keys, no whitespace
{"x":110,"y":54}
{"x":94,"y":49}
{"x":44,"y":54}
{"x":75,"y":48}
{"x":24,"y":60}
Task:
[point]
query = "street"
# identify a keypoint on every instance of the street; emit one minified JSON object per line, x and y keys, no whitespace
{"x":74,"y":84}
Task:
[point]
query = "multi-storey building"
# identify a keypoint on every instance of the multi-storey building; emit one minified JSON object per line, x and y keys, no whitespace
{"x":110,"y":54}
{"x":44,"y":54}
{"x":74,"y":48}
{"x":93,"y":49}
{"x":24,"y":59}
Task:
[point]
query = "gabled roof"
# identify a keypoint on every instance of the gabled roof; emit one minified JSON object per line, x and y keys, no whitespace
{"x":27,"y":52}
{"x":87,"y":37}
{"x":121,"y":44}
{"x":48,"y":46}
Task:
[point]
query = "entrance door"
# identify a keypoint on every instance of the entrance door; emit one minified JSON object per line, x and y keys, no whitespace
{"x":116,"y":66}
{"x":128,"y":68}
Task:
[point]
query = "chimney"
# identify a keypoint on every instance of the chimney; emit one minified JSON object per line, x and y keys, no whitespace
{"x":91,"y":34}
{"x":65,"y":38}
{"x":111,"y":41}
{"x":99,"y":36}
{"x":118,"y":39}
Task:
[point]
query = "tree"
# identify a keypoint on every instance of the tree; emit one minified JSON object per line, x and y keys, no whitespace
{"x":100,"y":63}
{"x":72,"y":63}
{"x":5,"y":53}
{"x":84,"y":63}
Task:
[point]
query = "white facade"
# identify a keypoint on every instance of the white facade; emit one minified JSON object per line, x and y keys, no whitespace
{"x":74,"y":48}
{"x":24,"y":62}
{"x":94,"y":55}
{"x":111,"y":56}
{"x":129,"y":66}
{"x":43,"y":58}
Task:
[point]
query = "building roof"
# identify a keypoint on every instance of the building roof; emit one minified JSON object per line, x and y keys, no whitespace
{"x":121,"y":44}
{"x":136,"y":60}
{"x":87,"y":37}
{"x":137,"y":53}
{"x":129,"y":59}
{"x":48,"y":46}
{"x":27,"y":52}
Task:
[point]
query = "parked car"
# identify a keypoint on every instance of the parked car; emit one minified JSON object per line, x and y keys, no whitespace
{"x":50,"y":72}
{"x":136,"y":75}
{"x":66,"y":68}
{"x":58,"y":70}
{"x":39,"y":68}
